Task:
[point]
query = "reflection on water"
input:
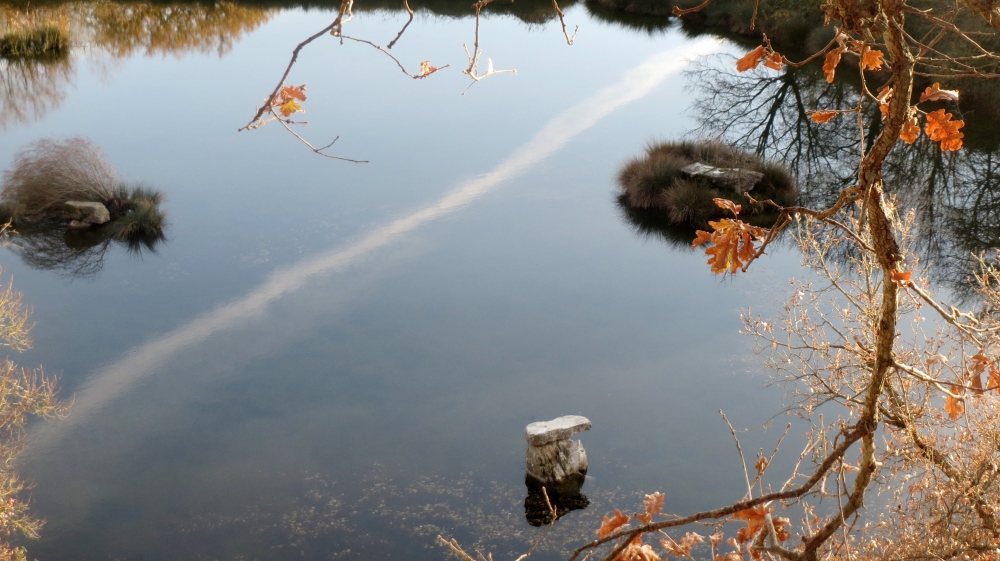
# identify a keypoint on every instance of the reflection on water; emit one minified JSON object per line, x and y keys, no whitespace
{"x":954,"y":195}
{"x":73,"y":253}
{"x":30,"y":87}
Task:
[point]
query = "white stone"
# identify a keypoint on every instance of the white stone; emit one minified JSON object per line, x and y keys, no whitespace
{"x":739,"y":180}
{"x":562,"y":428}
{"x":86,"y":212}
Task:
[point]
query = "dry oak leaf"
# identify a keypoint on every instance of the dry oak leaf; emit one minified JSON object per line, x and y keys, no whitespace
{"x":726,"y":204}
{"x":426,"y":69}
{"x":935,"y":93}
{"x":654,"y":505}
{"x":831,"y":62}
{"x":289,"y":107}
{"x":954,"y":406}
{"x":293,"y":92}
{"x":609,"y":525}
{"x":774,"y":61}
{"x":755,"y":521}
{"x":910,"y":130}
{"x":731,"y":556}
{"x":751,"y":60}
{"x":638,"y":552}
{"x":994,"y":381}
{"x":901,"y":278}
{"x":941,"y":128}
{"x":760,"y":465}
{"x":683,"y":547}
{"x":823,"y":116}
{"x":732,"y":244}
{"x":871,"y":59}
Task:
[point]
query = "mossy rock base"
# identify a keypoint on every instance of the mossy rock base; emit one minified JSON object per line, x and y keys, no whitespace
{"x":656,"y":190}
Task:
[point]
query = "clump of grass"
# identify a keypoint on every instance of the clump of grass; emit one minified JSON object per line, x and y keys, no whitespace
{"x":49,"y":173}
{"x":135,"y":214}
{"x":46,"y":42}
{"x":655,"y":183}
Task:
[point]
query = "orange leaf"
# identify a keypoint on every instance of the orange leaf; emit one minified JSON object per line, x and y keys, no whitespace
{"x":823,"y":116}
{"x":954,"y":406}
{"x":941,"y":128}
{"x":774,"y":61}
{"x":885,"y":110}
{"x":726,"y":204}
{"x":732,"y":244}
{"x":426,"y":69}
{"x":702,"y":237}
{"x":935,"y":93}
{"x":609,"y":525}
{"x":994,"y":381}
{"x":751,"y":59}
{"x":293,"y":92}
{"x":831,"y":62}
{"x":901,"y":278}
{"x":871,"y":59}
{"x":289,"y":107}
{"x":911,"y":130}
{"x":978,"y":362}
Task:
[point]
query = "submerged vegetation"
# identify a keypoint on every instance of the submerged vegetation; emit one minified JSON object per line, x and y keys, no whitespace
{"x":656,"y":190}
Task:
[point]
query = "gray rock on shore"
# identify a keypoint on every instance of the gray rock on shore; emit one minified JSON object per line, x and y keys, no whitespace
{"x":84,"y":214}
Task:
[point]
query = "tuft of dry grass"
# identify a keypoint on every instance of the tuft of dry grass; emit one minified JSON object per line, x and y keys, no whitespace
{"x":49,"y":172}
{"x":653,"y":182}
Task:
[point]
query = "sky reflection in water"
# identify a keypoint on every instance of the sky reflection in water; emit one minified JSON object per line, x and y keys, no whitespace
{"x":387,"y":380}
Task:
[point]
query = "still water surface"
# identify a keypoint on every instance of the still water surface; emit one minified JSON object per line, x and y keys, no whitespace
{"x":332,"y":360}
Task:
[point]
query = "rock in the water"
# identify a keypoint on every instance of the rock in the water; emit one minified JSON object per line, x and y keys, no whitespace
{"x":553,"y":459}
{"x":557,"y":429}
{"x":737,"y":179}
{"x":556,"y":461}
{"x":85,"y":213}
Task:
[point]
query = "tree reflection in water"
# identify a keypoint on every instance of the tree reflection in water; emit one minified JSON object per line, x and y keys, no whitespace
{"x":30,"y":88}
{"x":48,"y":245}
{"x":955,"y":196}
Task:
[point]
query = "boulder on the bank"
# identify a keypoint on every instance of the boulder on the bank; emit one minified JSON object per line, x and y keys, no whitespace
{"x":83,"y":214}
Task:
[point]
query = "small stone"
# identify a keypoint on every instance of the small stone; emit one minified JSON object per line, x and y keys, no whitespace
{"x":77,"y":225}
{"x":562,"y":428}
{"x":737,"y":179}
{"x":86,"y":212}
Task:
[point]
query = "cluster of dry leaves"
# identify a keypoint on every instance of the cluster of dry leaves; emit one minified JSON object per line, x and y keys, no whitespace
{"x":732,"y":240}
{"x":757,"y":520}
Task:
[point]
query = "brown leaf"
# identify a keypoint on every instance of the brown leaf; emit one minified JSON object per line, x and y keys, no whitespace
{"x":935,"y":93}
{"x":751,"y":60}
{"x":910,"y":131}
{"x":293,"y":92}
{"x":289,"y":107}
{"x":941,"y":128}
{"x":726,"y":204}
{"x":901,"y":278}
{"x":610,"y":525}
{"x":831,"y":62}
{"x":761,"y":464}
{"x":774,"y":61}
{"x":426,"y":69}
{"x":871,"y":59}
{"x":823,"y":116}
{"x":654,"y":503}
{"x":954,"y":406}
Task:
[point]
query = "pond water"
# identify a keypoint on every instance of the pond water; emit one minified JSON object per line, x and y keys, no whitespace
{"x":336,"y":360}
